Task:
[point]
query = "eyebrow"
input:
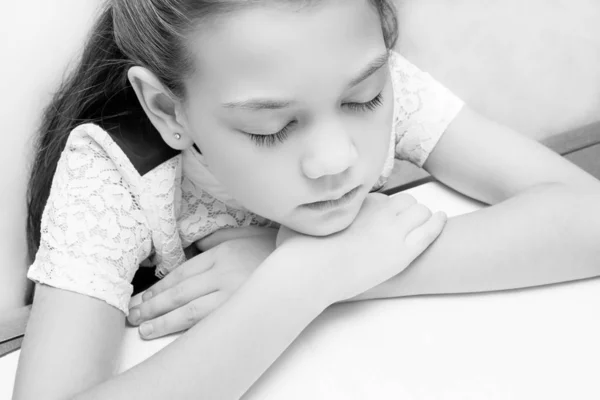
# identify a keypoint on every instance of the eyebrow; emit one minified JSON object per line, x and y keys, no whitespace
{"x":269,"y":104}
{"x":258,"y":104}
{"x":371,"y":68}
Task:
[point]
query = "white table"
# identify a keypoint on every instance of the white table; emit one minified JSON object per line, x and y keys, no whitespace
{"x":540,"y":343}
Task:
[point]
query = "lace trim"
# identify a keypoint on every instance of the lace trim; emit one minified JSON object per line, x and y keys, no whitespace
{"x":76,"y":276}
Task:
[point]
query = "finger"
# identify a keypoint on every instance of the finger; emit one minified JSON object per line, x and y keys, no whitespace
{"x":425,"y":234}
{"x":135,"y":300}
{"x":413,"y":217}
{"x":173,"y":298}
{"x":182,"y":318}
{"x":376,"y":196}
{"x":375,"y":200}
{"x":195,"y":266}
{"x":402,"y":201}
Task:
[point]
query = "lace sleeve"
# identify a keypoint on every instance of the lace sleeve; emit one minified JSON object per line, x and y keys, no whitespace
{"x":423,"y":109}
{"x":93,"y":233}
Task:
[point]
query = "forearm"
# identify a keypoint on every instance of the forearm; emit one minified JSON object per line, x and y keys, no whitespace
{"x":226,"y":234}
{"x":225,"y":353}
{"x":545,"y":235}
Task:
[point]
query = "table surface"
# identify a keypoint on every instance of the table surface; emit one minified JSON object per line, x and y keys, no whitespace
{"x":520,"y":344}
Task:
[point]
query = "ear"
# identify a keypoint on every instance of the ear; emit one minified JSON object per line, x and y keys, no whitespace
{"x":161,"y":107}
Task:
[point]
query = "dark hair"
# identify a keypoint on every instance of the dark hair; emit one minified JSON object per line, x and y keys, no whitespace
{"x":148,"y":33}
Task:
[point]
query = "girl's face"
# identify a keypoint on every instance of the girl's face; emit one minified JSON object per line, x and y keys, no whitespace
{"x":293,"y":107}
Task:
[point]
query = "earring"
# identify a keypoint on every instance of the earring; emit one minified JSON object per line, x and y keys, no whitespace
{"x":177,"y":136}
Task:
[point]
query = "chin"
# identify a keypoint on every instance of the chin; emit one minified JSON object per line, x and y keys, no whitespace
{"x":325,"y":227}
{"x":327,"y":223}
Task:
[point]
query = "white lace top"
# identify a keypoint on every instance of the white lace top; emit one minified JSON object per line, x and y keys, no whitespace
{"x":103,"y":219}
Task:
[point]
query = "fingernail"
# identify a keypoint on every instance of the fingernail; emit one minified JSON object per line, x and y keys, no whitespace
{"x":134,"y":315}
{"x":147,"y":295}
{"x":146,"y":329}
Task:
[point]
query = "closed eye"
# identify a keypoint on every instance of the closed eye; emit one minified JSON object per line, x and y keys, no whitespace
{"x":368,"y":106}
{"x":271,"y":139}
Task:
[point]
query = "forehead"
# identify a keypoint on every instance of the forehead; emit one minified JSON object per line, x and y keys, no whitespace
{"x":271,"y":45}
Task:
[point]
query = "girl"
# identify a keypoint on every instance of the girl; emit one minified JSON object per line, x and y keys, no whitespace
{"x":188,"y":118}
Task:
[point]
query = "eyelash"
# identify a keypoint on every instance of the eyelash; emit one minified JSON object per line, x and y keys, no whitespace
{"x":368,"y":106}
{"x":272,"y":139}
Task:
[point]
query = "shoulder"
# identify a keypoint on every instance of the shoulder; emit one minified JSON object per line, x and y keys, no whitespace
{"x":135,"y":153}
{"x":141,"y":143}
{"x":94,"y":176}
{"x":423,"y":109}
{"x":410,"y":80}
{"x":94,"y":230}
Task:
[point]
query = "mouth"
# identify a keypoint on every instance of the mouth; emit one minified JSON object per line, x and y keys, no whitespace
{"x":329,"y":204}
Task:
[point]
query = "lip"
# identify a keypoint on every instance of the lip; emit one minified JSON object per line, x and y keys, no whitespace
{"x":328,"y":204}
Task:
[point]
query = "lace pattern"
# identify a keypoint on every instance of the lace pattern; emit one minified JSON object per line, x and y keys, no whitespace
{"x":93,"y":231}
{"x":423,"y":109}
{"x":202,"y":214}
{"x":160,"y":197}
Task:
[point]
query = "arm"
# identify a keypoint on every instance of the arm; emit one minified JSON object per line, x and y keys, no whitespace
{"x":241,"y":339}
{"x":219,"y":347}
{"x":78,"y":358}
{"x":83,"y":270}
{"x":227,"y":234}
{"x":247,"y":334}
{"x":542,"y":227}
{"x":81,"y":359}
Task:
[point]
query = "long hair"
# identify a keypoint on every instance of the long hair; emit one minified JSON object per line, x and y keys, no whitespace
{"x":147,"y":33}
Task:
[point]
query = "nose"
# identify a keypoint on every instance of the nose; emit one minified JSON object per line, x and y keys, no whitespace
{"x":331,"y":151}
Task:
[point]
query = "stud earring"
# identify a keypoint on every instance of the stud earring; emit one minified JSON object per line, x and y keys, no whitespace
{"x":177,"y":136}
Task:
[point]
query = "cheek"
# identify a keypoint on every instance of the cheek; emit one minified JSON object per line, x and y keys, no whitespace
{"x":262,"y":180}
{"x":374,"y":138}
{"x":259,"y":179}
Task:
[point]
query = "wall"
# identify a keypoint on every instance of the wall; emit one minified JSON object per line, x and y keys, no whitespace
{"x":533,"y":65}
{"x":37,"y":40}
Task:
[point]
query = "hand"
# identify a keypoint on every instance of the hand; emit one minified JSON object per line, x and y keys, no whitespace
{"x":386,"y":236}
{"x":200,"y":285}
